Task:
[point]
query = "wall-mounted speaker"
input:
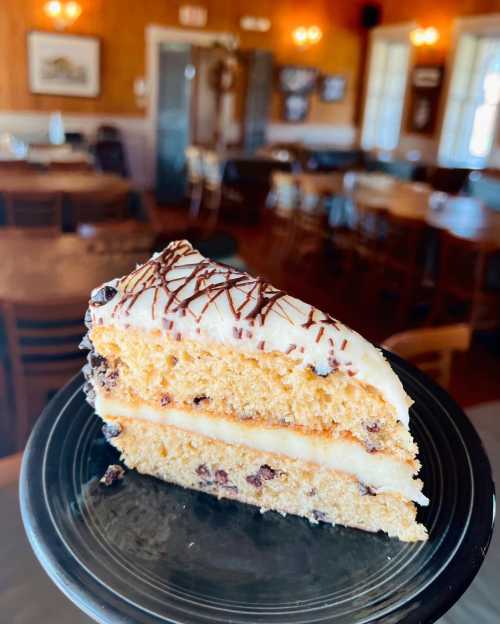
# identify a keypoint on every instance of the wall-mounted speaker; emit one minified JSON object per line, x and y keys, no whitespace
{"x":371,"y":15}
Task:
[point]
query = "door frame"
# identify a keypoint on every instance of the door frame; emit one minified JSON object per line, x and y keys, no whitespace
{"x":155,"y":36}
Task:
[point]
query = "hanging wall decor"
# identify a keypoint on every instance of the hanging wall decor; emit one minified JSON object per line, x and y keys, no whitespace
{"x":424,"y":98}
{"x":63,"y":64}
{"x":332,"y":88}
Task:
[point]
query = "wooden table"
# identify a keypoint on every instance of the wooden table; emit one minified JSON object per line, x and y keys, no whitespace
{"x":37,"y":268}
{"x":62,"y":182}
{"x":463,"y":216}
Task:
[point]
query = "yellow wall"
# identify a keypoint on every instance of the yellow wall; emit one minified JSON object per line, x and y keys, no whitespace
{"x":120,"y":24}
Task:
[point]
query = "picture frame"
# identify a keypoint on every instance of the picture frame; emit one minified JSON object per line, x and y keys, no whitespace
{"x":425,"y":93}
{"x":60,"y":64}
{"x":332,"y":87}
{"x":295,"y":107}
{"x":296,"y":79}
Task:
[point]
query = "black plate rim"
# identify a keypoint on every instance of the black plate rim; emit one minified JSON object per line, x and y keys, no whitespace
{"x":101,"y":604}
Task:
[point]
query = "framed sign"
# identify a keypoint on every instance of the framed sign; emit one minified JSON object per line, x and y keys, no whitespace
{"x":61,"y":64}
{"x":424,"y":98}
{"x":295,"y":107}
{"x":332,"y":88}
{"x":296,"y":79}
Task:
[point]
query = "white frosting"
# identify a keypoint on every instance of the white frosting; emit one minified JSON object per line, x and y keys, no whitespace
{"x":379,"y":471}
{"x":181,"y":292}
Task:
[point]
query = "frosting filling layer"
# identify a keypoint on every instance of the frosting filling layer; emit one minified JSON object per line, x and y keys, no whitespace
{"x":381,"y":472}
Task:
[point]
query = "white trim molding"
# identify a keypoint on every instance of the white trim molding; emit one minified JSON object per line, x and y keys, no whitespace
{"x":312,"y":134}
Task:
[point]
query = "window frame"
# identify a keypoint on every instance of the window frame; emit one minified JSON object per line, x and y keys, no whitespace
{"x":397,"y":33}
{"x":475,"y":26}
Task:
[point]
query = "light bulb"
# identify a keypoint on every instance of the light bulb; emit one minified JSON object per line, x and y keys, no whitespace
{"x":431,"y":35}
{"x":72,"y":10}
{"x":300,"y":35}
{"x":53,"y":8}
{"x":314,"y":34}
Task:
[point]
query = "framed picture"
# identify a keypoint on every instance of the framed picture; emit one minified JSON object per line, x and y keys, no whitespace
{"x":295,"y":107}
{"x":425,"y":92}
{"x":295,"y":79}
{"x":332,"y":88}
{"x":63,"y":64}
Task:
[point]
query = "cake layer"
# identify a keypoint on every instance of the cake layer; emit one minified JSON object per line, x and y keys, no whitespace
{"x":379,"y":471}
{"x":155,"y":367}
{"x":181,"y":293}
{"x":268,"y":480}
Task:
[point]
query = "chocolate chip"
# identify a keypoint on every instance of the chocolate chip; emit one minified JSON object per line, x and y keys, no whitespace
{"x":371,"y":448}
{"x":221,"y":477}
{"x":203,"y":471}
{"x":312,"y":492}
{"x":366,"y":490}
{"x":374,"y":428}
{"x":113,"y":473}
{"x":320,"y":516}
{"x":334,"y":364}
{"x":165,"y":400}
{"x":254,"y":480}
{"x":266,"y":472}
{"x":88,"y":319}
{"x":231,"y":488}
{"x":200,"y":399}
{"x":103,"y":295}
{"x":111,"y":430}
{"x":97,"y":361}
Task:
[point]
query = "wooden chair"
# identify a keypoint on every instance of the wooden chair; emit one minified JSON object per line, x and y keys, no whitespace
{"x":311,"y":217}
{"x":194,"y":167}
{"x":462,"y":278}
{"x":447,"y":179}
{"x":97,"y":206}
{"x":43,"y":350}
{"x":34,"y":210}
{"x":279,"y":224}
{"x":403,"y":259}
{"x":431,"y":348}
{"x":78,"y":166}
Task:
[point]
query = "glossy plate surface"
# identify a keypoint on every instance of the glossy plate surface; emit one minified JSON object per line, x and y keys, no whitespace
{"x":145,"y":551}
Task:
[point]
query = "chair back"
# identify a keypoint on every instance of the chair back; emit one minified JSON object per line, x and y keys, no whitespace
{"x":33,"y":210}
{"x":284,"y":196}
{"x":431,"y":348}
{"x":107,"y":132}
{"x":447,"y":179}
{"x":111,"y":157}
{"x":212,"y":170}
{"x":194,"y":164}
{"x":43,"y":344}
{"x":369,"y":226}
{"x":404,"y":240}
{"x":98,"y":206}
{"x":462,"y":263}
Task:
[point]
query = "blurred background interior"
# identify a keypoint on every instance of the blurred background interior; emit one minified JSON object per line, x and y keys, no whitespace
{"x":348,"y":151}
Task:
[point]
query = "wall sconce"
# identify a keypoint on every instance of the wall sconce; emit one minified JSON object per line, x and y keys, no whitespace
{"x":63,"y":14}
{"x":424,"y":36}
{"x":305,"y":36}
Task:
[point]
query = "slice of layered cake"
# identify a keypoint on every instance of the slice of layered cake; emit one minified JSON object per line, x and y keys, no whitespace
{"x":215,"y":380}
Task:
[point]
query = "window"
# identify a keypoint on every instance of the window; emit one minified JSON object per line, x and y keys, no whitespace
{"x":389,"y":62}
{"x":473,"y":98}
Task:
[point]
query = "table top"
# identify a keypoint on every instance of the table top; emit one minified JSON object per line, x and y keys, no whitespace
{"x":63,"y":182}
{"x":463,"y":216}
{"x":37,"y":268}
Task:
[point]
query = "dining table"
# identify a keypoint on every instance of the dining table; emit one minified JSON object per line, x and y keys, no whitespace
{"x":46,"y":267}
{"x":63,"y":182}
{"x":463,"y":216}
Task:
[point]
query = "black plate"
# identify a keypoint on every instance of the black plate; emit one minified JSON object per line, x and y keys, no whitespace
{"x":146,"y":551}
